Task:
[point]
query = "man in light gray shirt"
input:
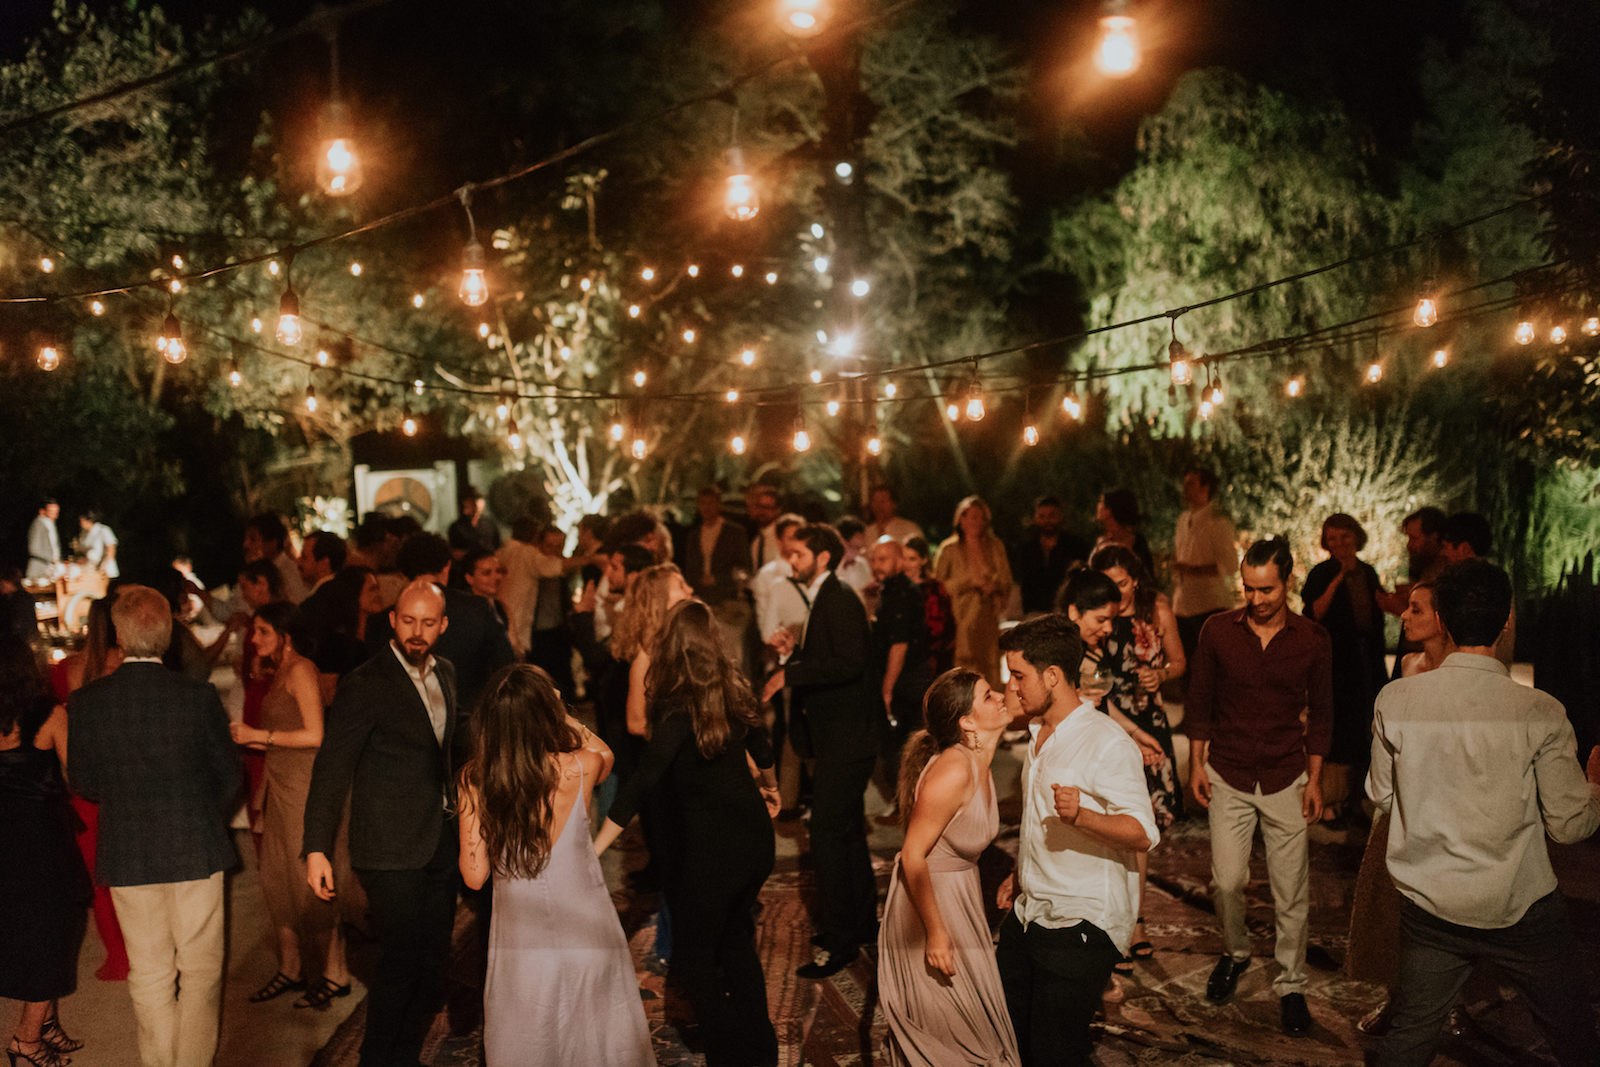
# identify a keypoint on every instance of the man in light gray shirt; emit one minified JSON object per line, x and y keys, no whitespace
{"x":1476,"y":771}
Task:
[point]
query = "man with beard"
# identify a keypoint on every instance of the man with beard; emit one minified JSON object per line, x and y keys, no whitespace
{"x":1040,"y":560}
{"x":1251,"y":761}
{"x":827,"y":669}
{"x":387,"y":746}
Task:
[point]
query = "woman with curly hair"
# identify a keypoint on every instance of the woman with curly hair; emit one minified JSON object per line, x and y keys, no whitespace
{"x":706,"y":736}
{"x":973,"y":566}
{"x":560,"y":986}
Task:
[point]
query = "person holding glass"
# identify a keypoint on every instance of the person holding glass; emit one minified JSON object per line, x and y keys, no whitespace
{"x":973,"y":566}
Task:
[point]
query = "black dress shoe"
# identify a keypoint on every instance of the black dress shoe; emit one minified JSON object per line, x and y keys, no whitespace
{"x":1294,"y":1014}
{"x":827,"y":964}
{"x":1224,"y":977}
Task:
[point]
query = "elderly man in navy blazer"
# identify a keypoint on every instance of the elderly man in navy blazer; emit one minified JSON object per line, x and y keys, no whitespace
{"x":387,"y":747}
{"x":152,"y":747}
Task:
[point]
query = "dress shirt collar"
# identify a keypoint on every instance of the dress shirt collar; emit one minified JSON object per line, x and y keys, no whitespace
{"x":141,"y":659}
{"x":816,"y":585}
{"x":1474,"y":662}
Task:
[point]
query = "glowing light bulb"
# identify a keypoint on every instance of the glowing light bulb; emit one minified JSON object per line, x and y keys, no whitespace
{"x":1215,"y":394}
{"x":416,"y":386}
{"x":49,"y":357}
{"x":565,"y":351}
{"x":1205,"y":409}
{"x":1117,"y":53}
{"x":483,"y":331}
{"x":820,"y":264}
{"x":474,"y":287}
{"x":772,"y":277}
{"x":1374,"y":373}
{"x":694,"y":270}
{"x":1294,"y":387}
{"x":617,"y":431}
{"x":1441,"y":356}
{"x":860,"y":288}
{"x":171,"y":344}
{"x":175,"y":286}
{"x":737,"y":444}
{"x":338,"y":164}
{"x":890,"y":390}
{"x":802,"y":18}
{"x":689,"y":336}
{"x":748,"y":357}
{"x":832,"y":408}
{"x":586,"y":284}
{"x":816,"y":377}
{"x":844,"y":172}
{"x":802,"y":440}
{"x":290,"y":331}
{"x":1426,"y":313}
{"x":975,"y":409}
{"x":1558,"y":334}
{"x":503,"y":408}
{"x":274,"y":268}
{"x":741,"y":200}
{"x":311,"y":400}
{"x":639,"y":448}
{"x":952,"y":411}
{"x":256,"y":325}
{"x":648,"y":274}
{"x":513,"y":438}
{"x":322,"y":357}
{"x":634,"y":310}
{"x":731,"y":396}
{"x":1030,"y":434}
{"x":1071,"y":406}
{"x":235,"y":376}
{"x":1181,"y":369}
{"x":737,"y":270}
{"x":408,"y":423}
{"x":417,"y":300}
{"x":96,"y":308}
{"x":817,"y":230}
{"x":874,"y":442}
{"x":46,"y":264}
{"x":1591,"y":325}
{"x":638,"y":379}
{"x":177,"y":262}
{"x":1524,"y":333}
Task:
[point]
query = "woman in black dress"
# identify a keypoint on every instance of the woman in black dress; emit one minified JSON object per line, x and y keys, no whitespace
{"x":43,"y":881}
{"x":1342,"y":593}
{"x":706,"y":736}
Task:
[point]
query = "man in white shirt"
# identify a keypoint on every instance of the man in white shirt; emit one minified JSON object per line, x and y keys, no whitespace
{"x":98,"y":544}
{"x":1204,"y":558}
{"x":854,"y":570}
{"x":1476,"y":771}
{"x":884,"y":505}
{"x":781,"y":606}
{"x":1086,"y":817}
{"x":761,"y":508}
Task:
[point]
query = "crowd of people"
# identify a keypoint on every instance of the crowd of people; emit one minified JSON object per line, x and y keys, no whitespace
{"x":421,"y":719}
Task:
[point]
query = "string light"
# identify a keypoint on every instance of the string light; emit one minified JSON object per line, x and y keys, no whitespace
{"x":417,"y":300}
{"x":1181,"y":370}
{"x":474,"y":287}
{"x":1558,"y":334}
{"x":639,"y":448}
{"x":689,"y":336}
{"x":802,"y":440}
{"x":816,"y":377}
{"x":648,"y":274}
{"x":49,"y":356}
{"x":952,"y":411}
{"x":737,"y":444}
{"x":1214,"y":394}
{"x":565,"y":351}
{"x":1375,"y":372}
{"x":1117,"y":54}
{"x":737,"y":270}
{"x":772,"y":277}
{"x":1206,"y":408}
{"x":638,"y":379}
{"x":860,"y":288}
{"x":832,"y":407}
{"x":322,"y":357}
{"x":311,"y":400}
{"x":741,"y":200}
{"x":1030,"y":433}
{"x":802,"y":18}
{"x":513,"y":438}
{"x":817,"y":230}
{"x":338,"y":165}
{"x":235,"y":375}
{"x":874,"y":442}
{"x":748,"y":357}
{"x":890,"y":390}
{"x":820,"y":264}
{"x":416,"y":386}
{"x":408,"y":423}
{"x":1524,"y":333}
{"x":255,"y":324}
{"x":1427,"y":310}
{"x":975,"y":407}
{"x":483,"y":331}
{"x":694,"y":270}
{"x":1295,"y":386}
{"x":618,"y":431}
{"x":46,"y":264}
{"x":171,"y":345}
{"x":355,"y":270}
{"x":290,"y":331}
{"x":503,"y":408}
{"x":731,"y":396}
{"x":175,"y":286}
{"x":1441,"y":356}
{"x":844,"y":172}
{"x":274,"y":268}
{"x":634,"y":310}
{"x":1071,"y":405}
{"x":1591,"y":325}
{"x":586,"y":284}
{"x":96,"y":308}
{"x":177,"y":262}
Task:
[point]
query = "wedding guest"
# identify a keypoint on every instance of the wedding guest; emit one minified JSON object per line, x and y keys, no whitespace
{"x":899,"y":655}
{"x":937,"y":610}
{"x":266,"y":538}
{"x":854,"y":570}
{"x":1086,"y":815}
{"x":98,"y":544}
{"x":1423,"y":529}
{"x":762,"y":510}
{"x":474,"y":529}
{"x":716,"y":551}
{"x":290,"y":733}
{"x":706,"y":732}
{"x":321,"y":556}
{"x":524,"y":796}
{"x":42,"y":878}
{"x":44,"y":543}
{"x":1467,"y":535}
{"x":483,"y":574}
{"x":973,"y":567}
{"x":1205,"y":557}
{"x":883,"y":503}
{"x":1041,"y":559}
{"x":938,"y":984}
{"x":1117,"y":513}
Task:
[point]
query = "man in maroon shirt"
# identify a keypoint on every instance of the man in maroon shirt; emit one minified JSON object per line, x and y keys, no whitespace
{"x":1252,"y":761}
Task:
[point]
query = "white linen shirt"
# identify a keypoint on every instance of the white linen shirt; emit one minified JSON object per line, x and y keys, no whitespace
{"x":1065,"y":876}
{"x":1475,"y":770}
{"x":1202,"y":536}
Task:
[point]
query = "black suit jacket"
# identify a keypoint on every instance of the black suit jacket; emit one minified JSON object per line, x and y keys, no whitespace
{"x":830,"y":677}
{"x":378,"y":747}
{"x":152,"y":747}
{"x":475,"y":642}
{"x":730,"y":553}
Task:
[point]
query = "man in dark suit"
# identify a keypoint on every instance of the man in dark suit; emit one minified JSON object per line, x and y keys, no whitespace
{"x":387,"y":747}
{"x":827,"y":670}
{"x":713,"y":549}
{"x":152,"y":747}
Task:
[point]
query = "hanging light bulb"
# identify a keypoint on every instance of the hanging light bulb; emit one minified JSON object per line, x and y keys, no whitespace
{"x":874,"y":442}
{"x":1591,"y":326}
{"x":832,"y":408}
{"x":586,"y":284}
{"x":417,"y":300}
{"x":46,"y":264}
{"x":175,"y":286}
{"x":731,"y":396}
{"x":648,"y":274}
{"x":860,"y":288}
{"x":483,"y":331}
{"x":1524,"y":334}
{"x":274,"y":268}
{"x":256,"y":324}
{"x":1441,"y":356}
{"x":890,"y":390}
{"x":802,"y":18}
{"x":975,"y":409}
{"x":1558,"y":334}
{"x":1117,"y":53}
{"x":1030,"y":433}
{"x":338,"y":165}
{"x":1426,"y":312}
{"x":322,"y":357}
{"x":96,"y":308}
{"x":820,"y":264}
{"x":816,"y":377}
{"x":474,"y":288}
{"x":503,"y":408}
{"x":1374,"y":372}
{"x":634,"y":310}
{"x":772,"y":277}
{"x":748,"y":357}
{"x":1295,"y":386}
{"x":736,"y":444}
{"x":1178,"y":365}
{"x":416,"y":386}
{"x":1071,"y":405}
{"x":618,"y":431}
{"x":171,"y":343}
{"x":289,"y":329}
{"x":311,"y":400}
{"x":689,"y":336}
{"x":802,"y":440}
{"x":737,"y":270}
{"x":513,"y":438}
{"x":49,"y":356}
{"x":694,"y":270}
{"x":639,"y":448}
{"x":952,"y":411}
{"x":1206,"y":408}
{"x":235,"y":375}
{"x":1214,"y":394}
{"x":741,"y":200}
{"x":408,"y":422}
{"x":639,"y":379}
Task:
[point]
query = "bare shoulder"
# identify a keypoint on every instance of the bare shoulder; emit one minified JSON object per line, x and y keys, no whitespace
{"x":952,"y":771}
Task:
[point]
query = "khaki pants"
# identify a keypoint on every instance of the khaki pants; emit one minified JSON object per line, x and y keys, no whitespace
{"x":1234,"y":816}
{"x":174,"y":932}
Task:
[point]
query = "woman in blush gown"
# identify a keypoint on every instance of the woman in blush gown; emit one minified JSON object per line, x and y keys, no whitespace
{"x":938,"y":984}
{"x":561,"y":987}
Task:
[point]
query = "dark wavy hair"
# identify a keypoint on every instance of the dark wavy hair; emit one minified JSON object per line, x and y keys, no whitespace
{"x":690,"y":673}
{"x":947,"y":699}
{"x":521,"y":730}
{"x":1144,"y":593}
{"x":22,"y":686}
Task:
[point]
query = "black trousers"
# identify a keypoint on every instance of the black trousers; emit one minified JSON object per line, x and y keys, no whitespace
{"x":1054,"y":980}
{"x":847,"y":907}
{"x":714,"y":958}
{"x":1538,"y":953}
{"x":414,"y":911}
{"x":551,"y":650}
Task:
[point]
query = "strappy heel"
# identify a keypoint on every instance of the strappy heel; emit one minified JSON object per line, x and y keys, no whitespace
{"x":41,"y":1056}
{"x":58,"y":1039}
{"x":280,"y":984}
{"x":321,"y":993}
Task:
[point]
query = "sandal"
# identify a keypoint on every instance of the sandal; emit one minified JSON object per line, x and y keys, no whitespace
{"x":1142,"y":949}
{"x":320,"y":994}
{"x":1124,"y":967}
{"x":41,"y":1056}
{"x":58,"y":1039}
{"x":280,"y":984}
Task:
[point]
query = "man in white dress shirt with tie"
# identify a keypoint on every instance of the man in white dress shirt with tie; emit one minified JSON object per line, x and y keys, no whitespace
{"x":1086,"y":816}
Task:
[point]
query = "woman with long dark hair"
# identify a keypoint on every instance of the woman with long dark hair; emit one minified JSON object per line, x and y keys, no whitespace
{"x":938,"y":984}
{"x":706,"y":734}
{"x":42,"y":878}
{"x":560,"y":986}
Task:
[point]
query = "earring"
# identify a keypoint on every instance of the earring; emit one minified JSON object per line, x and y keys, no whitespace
{"x":971,"y":738}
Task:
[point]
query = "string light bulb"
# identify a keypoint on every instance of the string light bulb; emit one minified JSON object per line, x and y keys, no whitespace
{"x":311,"y":400}
{"x":952,"y":411}
{"x":634,"y":310}
{"x":96,"y":308}
{"x":48,"y":357}
{"x":474,"y":287}
{"x":1030,"y":433}
{"x":736,"y":444}
{"x":1374,"y":372}
{"x":416,"y":386}
{"x":513,"y":437}
{"x":503,"y":409}
{"x":1426,"y":312}
{"x":874,"y":441}
{"x":417,"y":300}
{"x":618,"y":431}
{"x":1071,"y":405}
{"x":1591,"y":326}
{"x":1117,"y":53}
{"x":256,"y":325}
{"x":1524,"y":333}
{"x":338,"y":165}
{"x":832,"y":407}
{"x":1178,"y":364}
{"x":689,"y":337}
{"x":741,"y":200}
{"x":737,"y":270}
{"x":802,"y":18}
{"x":802,"y":439}
{"x":235,"y":375}
{"x":46,"y":265}
{"x":860,"y":288}
{"x":1206,"y":408}
{"x":290,"y":332}
{"x":639,"y":448}
{"x":748,"y":357}
{"x":694,"y":270}
{"x":772,"y":277}
{"x":408,"y":422}
{"x":274,"y":268}
{"x":890,"y":390}
{"x":1441,"y":356}
{"x":1558,"y":334}
{"x":1295,"y":387}
{"x":731,"y":396}
{"x":639,"y":379}
{"x":322,"y":357}
{"x":648,"y":274}
{"x":171,"y":345}
{"x":975,"y":409}
{"x":816,"y":377}
{"x":1214,"y":394}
